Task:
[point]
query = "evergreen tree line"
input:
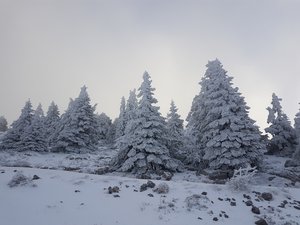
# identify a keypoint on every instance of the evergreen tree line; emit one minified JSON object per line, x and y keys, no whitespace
{"x":219,"y":132}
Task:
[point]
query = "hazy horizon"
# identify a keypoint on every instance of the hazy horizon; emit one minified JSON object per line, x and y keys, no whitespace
{"x":49,"y":49}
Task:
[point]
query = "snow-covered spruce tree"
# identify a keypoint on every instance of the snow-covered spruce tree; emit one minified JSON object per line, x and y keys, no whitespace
{"x":12,"y":139}
{"x":219,"y":124}
{"x":131,"y":106}
{"x":145,"y":151}
{"x":51,"y":122}
{"x":174,"y":131}
{"x":3,"y":124}
{"x":283,"y":139}
{"x":77,"y":130}
{"x":297,"y":125}
{"x":121,"y":122}
{"x":33,"y":137}
{"x":104,"y":126}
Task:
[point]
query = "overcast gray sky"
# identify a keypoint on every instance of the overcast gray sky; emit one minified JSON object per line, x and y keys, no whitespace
{"x":50,"y":48}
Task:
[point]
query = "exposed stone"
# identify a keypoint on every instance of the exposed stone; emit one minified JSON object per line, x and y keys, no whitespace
{"x":291,"y":163}
{"x":233,"y":203}
{"x":167,"y":175}
{"x":150,"y":195}
{"x":261,"y":222}
{"x":215,"y":219}
{"x":143,"y":187}
{"x":114,"y":189}
{"x":204,"y":193}
{"x":267,"y":196}
{"x":35,"y":177}
{"x":255,"y":210}
{"x":162,"y":188}
{"x":249,"y":203}
{"x":150,"y":184}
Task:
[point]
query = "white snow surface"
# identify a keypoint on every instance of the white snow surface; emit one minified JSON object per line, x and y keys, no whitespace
{"x":70,"y":198}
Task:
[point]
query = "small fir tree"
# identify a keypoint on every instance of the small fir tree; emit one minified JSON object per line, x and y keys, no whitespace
{"x":33,"y":137}
{"x":51,"y":123}
{"x":3,"y":124}
{"x":104,"y":126}
{"x":145,"y":151}
{"x":283,"y":139}
{"x":12,"y":139}
{"x":297,"y":125}
{"x":121,"y":122}
{"x":174,"y":131}
{"x":77,"y":130}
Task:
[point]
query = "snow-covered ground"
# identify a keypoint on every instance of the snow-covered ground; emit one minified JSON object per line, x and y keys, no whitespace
{"x":69,"y":198}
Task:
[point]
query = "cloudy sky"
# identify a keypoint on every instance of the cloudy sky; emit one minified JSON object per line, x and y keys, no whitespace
{"x":50,"y":48}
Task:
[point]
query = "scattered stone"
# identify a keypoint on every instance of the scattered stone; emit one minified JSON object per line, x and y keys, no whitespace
{"x":114,"y":189}
{"x":150,"y":184}
{"x":257,"y":200}
{"x":76,"y":191}
{"x":162,"y":188}
{"x":226,"y":216}
{"x":135,"y":190}
{"x":233,"y":203}
{"x":127,"y":186}
{"x":220,"y":199}
{"x":267,"y":196}
{"x":261,"y":222}
{"x":61,"y":201}
{"x":212,"y":202}
{"x":271,"y":178}
{"x":228,"y":199}
{"x":215,"y":219}
{"x":150,"y":195}
{"x":15,"y":171}
{"x":255,"y":210}
{"x":167,"y":175}
{"x":82,"y":203}
{"x":171,"y":205}
{"x":35,"y":177}
{"x":220,"y":215}
{"x":249,"y":203}
{"x":2,"y":171}
{"x":297,"y":207}
{"x":199,"y":218}
{"x":116,"y":196}
{"x":143,"y":187}
{"x":291,"y":163}
{"x":256,"y":192}
{"x":102,"y":170}
{"x":246,"y":196}
{"x":204,"y":193}
{"x":233,"y":199}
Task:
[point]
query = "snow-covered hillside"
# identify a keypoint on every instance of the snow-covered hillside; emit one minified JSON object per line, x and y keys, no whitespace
{"x":69,"y":198}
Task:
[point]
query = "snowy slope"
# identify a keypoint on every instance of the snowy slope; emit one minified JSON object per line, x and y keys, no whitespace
{"x":69,"y":198}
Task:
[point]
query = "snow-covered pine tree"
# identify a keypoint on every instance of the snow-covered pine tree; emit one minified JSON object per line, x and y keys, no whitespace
{"x":219,"y":124}
{"x":297,"y":125}
{"x":121,"y":122}
{"x":174,"y":131}
{"x":145,"y":151}
{"x":104,"y":126}
{"x":51,"y":122}
{"x":77,"y":130}
{"x":12,"y":138}
{"x":283,"y":139}
{"x":33,"y":137}
{"x":3,"y":124}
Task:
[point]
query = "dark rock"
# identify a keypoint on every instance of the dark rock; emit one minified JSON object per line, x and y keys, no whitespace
{"x":255,"y":210}
{"x":233,"y":203}
{"x":297,"y":207}
{"x":127,"y":186}
{"x":150,"y":184}
{"x":226,"y":216}
{"x":199,"y":218}
{"x":249,"y":203}
{"x":257,"y":200}
{"x":167,"y":175}
{"x":220,"y":174}
{"x":101,"y":170}
{"x":220,"y":215}
{"x":82,"y":203}
{"x":261,"y":222}
{"x":171,"y":205}
{"x":143,"y":187}
{"x":271,"y":178}
{"x":228,"y":199}
{"x":76,"y":191}
{"x":35,"y":177}
{"x":114,"y":189}
{"x":220,"y":199}
{"x":233,"y":199}
{"x":71,"y":168}
{"x":150,"y":195}
{"x":246,"y":196}
{"x":204,"y":193}
{"x":162,"y":188}
{"x":267,"y":196}
{"x":135,"y":190}
{"x":215,"y":219}
{"x":61,"y":201}
{"x":256,"y":192}
{"x":3,"y":171}
{"x":116,"y":196}
{"x":291,"y":163}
